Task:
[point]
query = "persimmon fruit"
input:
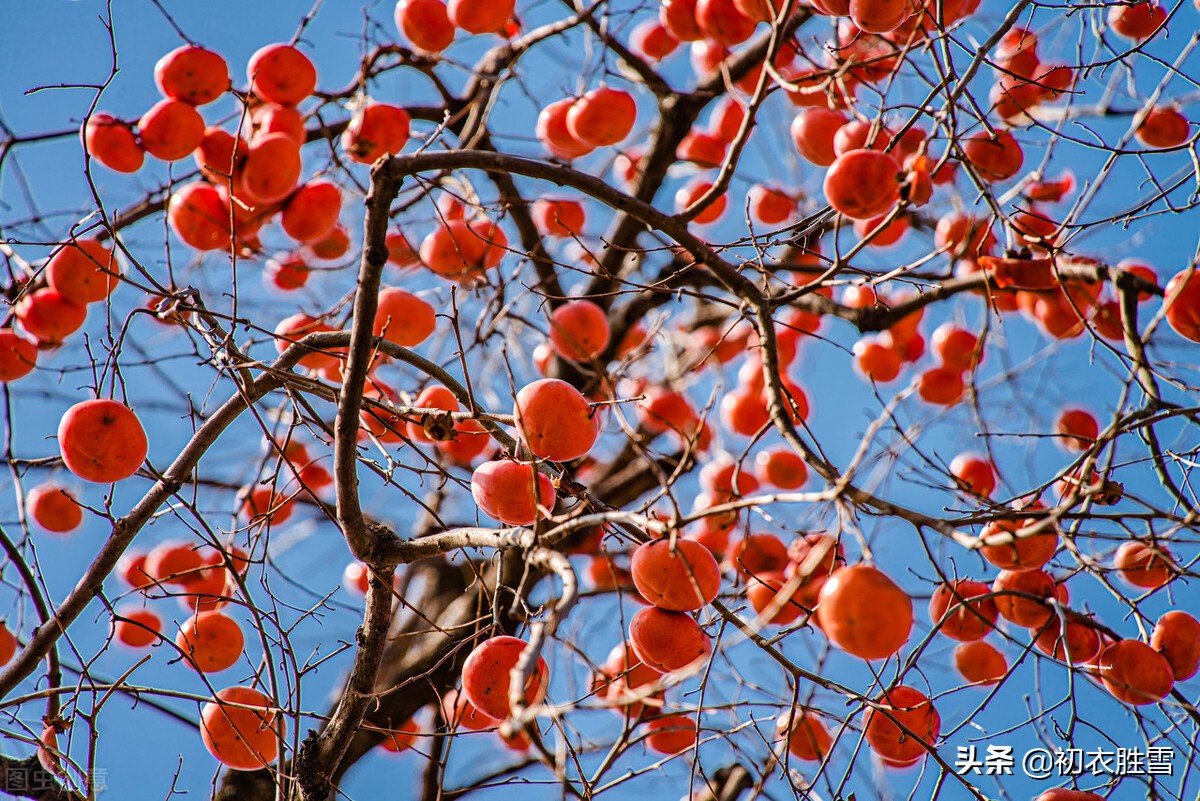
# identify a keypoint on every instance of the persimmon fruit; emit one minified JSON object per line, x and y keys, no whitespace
{"x":864,"y":612}
{"x":211,"y":641}
{"x":1134,"y":672}
{"x":980,"y":662}
{"x":487,"y":676}
{"x":962,"y":617}
{"x":555,"y":421}
{"x":1176,"y":636}
{"x":281,"y":73}
{"x":680,"y":577}
{"x":667,"y":641}
{"x":54,"y":508}
{"x":505,"y":490}
{"x":102,"y":441}
{"x":239,"y":728}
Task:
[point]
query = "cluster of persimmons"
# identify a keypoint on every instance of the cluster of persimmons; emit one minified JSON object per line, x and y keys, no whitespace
{"x":251,"y":175}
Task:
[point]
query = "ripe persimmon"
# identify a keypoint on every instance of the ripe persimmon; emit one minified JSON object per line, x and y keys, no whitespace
{"x":974,"y":473}
{"x":1024,"y":611}
{"x":1079,"y":642}
{"x":400,"y":251}
{"x":199,"y":216}
{"x":173,"y":562}
{"x":579,"y":330}
{"x":217,"y":154}
{"x":862,"y":184}
{"x":915,"y":712}
{"x":481,"y":16}
{"x":689,"y":194}
{"x":262,"y":503}
{"x":460,"y":251}
{"x":171,"y":129}
{"x":112,"y":142}
{"x":770,"y":206}
{"x":1027,"y":552}
{"x":505,"y":490}
{"x":425,"y":23}
{"x":280,"y":73}
{"x":132,"y":569}
{"x":941,"y":386}
{"x":815,"y":553}
{"x":995,"y":159}
{"x":136,"y":627}
{"x":8,"y":644}
{"x":273,"y":118}
{"x":376,"y":129}
{"x":964,"y":236}
{"x":1176,"y":636}
{"x":723,"y":23}
{"x":558,"y":218}
{"x":434,"y":396}
{"x":311,"y":211}
{"x":671,"y":734}
{"x":956,"y":348}
{"x":875,"y":361}
{"x":401,"y":739}
{"x":626,"y":680}
{"x":54,"y":509}
{"x":487,"y":676}
{"x":459,"y":712}
{"x":403,"y":318}
{"x":239,"y":728}
{"x":651,"y":40}
{"x":701,"y":148}
{"x":83,"y":271}
{"x":1138,"y":21}
{"x":755,"y":554}
{"x":602,"y":117}
{"x":679,"y":17}
{"x":1163,"y":128}
{"x":961,"y":617}
{"x":292,"y":329}
{"x":1182,"y":304}
{"x":211,"y":641}
{"x":782,"y":468}
{"x":102,"y":441}
{"x":192,"y":74}
{"x":1134,"y":672}
{"x":333,"y":245}
{"x":555,"y":421}
{"x":553,"y":131}
{"x":681,"y":577}
{"x":1143,"y":566}
{"x":864,"y":612}
{"x":980,"y":662}
{"x":880,"y":16}
{"x":667,"y":641}
{"x":724,"y":479}
{"x":1077,"y":429}
{"x":271,"y":169}
{"x":48,"y":315}
{"x":808,"y":738}
{"x":765,"y":590}
{"x":206,"y":589}
{"x":18,"y":355}
{"x":287,"y":274}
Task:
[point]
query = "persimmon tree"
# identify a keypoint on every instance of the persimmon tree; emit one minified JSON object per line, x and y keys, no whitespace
{"x":713,"y":397}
